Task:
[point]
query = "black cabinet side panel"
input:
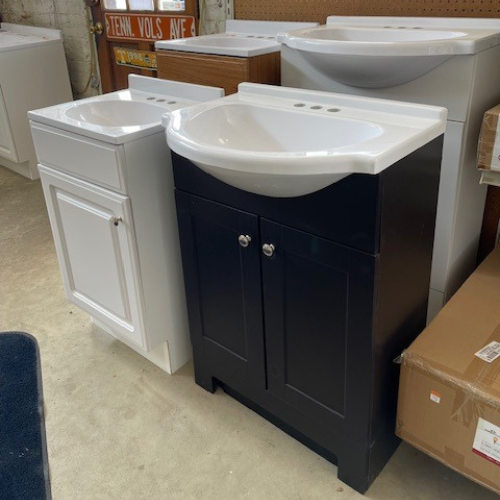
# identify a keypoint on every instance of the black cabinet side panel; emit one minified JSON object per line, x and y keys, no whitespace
{"x":408,"y":213}
{"x":345,"y":212}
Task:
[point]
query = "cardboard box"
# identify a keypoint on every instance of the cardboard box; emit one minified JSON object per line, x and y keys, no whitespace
{"x":449,"y":396}
{"x":488,"y":149}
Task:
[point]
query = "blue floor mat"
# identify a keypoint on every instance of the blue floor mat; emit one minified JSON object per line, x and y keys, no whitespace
{"x":23,"y":452}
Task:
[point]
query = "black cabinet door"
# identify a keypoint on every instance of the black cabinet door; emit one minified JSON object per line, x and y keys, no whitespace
{"x":318,"y":304}
{"x":223,"y":289}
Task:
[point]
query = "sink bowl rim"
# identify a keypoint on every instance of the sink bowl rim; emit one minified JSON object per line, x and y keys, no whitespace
{"x":472,"y":41}
{"x":286,"y":155}
{"x":73,"y":109}
{"x":377,"y":154}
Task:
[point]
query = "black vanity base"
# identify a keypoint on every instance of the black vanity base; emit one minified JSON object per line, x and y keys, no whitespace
{"x":305,"y":332}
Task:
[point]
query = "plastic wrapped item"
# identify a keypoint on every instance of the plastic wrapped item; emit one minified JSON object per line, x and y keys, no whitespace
{"x":449,"y":394}
{"x":488,"y":150}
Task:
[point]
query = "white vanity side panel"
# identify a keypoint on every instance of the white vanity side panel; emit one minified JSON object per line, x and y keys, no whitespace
{"x":159,"y":355}
{"x":446,"y":208}
{"x":151,"y":186}
{"x":7,"y":147}
{"x":451,"y":83}
{"x":435,"y":304}
{"x":91,"y":160}
{"x":472,"y":195}
{"x":31,"y":79}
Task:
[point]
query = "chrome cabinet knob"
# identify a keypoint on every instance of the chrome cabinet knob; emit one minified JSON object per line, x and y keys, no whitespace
{"x":268,"y":249}
{"x":244,"y":240}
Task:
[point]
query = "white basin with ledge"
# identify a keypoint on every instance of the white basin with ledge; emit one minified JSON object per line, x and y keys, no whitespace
{"x":241,"y":39}
{"x":124,"y":115}
{"x":283,"y":142}
{"x":375,"y":52}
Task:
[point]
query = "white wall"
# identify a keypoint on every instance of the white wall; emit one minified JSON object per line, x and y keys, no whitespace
{"x":67,"y":15}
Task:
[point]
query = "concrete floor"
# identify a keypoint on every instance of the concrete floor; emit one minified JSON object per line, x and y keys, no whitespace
{"x":120,"y":428}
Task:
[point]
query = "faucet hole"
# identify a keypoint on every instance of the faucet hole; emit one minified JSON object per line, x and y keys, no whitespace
{"x":172,"y":102}
{"x":299,"y":105}
{"x":316,"y":107}
{"x":160,"y":100}
{"x":333,"y":110}
{"x":150,"y":98}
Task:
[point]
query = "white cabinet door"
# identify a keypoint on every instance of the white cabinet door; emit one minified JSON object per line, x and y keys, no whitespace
{"x":94,"y":239}
{"x":7,"y":148}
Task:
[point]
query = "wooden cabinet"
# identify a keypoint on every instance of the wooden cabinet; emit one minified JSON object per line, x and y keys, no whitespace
{"x":298,"y":306}
{"x":219,"y":71}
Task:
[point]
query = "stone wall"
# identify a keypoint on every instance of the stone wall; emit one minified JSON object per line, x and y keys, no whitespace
{"x":70,"y":17}
{"x":213,"y":16}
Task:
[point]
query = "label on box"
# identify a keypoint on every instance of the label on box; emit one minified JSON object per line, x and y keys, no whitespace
{"x":490,"y":352}
{"x":487,"y":441}
{"x":495,"y":157}
{"x":435,"y":396}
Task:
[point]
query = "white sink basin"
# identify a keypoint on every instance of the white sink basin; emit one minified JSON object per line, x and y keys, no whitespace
{"x":238,"y":45}
{"x":383,"y":52}
{"x":241,"y":39}
{"x":283,"y":142}
{"x":126,"y":115}
{"x":115,"y":113}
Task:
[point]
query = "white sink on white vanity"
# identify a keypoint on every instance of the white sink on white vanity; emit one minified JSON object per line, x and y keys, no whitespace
{"x":107,"y":179}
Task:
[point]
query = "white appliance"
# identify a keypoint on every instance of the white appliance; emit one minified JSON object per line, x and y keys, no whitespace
{"x":466,"y":80}
{"x":33,"y":74}
{"x":107,"y":178}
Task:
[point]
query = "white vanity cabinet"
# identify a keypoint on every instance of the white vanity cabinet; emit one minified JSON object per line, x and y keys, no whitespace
{"x":112,"y":216}
{"x":106,"y":172}
{"x":33,"y":74}
{"x":94,"y":235}
{"x":7,"y":148}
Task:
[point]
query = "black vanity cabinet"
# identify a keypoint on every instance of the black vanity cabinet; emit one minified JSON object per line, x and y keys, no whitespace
{"x":298,"y":306}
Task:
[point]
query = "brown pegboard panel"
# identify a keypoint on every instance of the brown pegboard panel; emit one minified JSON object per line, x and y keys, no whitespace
{"x":319,"y":10}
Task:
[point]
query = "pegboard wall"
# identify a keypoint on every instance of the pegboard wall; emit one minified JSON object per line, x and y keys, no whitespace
{"x":319,"y":10}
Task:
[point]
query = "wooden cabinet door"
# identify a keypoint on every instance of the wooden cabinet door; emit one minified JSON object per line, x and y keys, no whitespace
{"x":129,"y":30}
{"x":223,"y":289}
{"x":7,"y":148}
{"x":95,"y":245}
{"x":318,"y":299}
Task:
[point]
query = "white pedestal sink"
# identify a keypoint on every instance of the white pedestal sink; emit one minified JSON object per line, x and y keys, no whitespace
{"x":450,"y":62}
{"x":284,"y":142}
{"x":365,"y":52}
